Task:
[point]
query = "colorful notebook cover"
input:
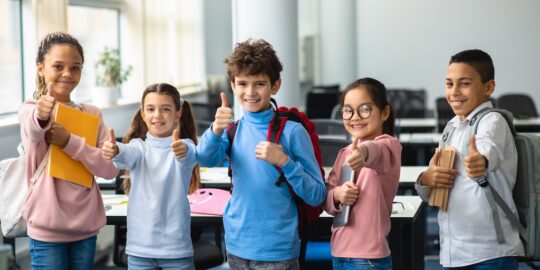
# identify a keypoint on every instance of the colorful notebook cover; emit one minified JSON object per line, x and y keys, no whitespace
{"x":210,"y":201}
{"x":81,"y":124}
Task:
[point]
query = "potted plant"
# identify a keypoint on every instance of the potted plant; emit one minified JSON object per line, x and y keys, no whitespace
{"x":109,"y":77}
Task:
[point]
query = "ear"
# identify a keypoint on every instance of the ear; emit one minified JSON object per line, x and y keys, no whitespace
{"x":142,"y":113}
{"x":276,"y":86}
{"x":40,"y":67}
{"x":232,"y":85}
{"x":178,"y":114}
{"x":385,"y":113}
{"x":490,"y":87}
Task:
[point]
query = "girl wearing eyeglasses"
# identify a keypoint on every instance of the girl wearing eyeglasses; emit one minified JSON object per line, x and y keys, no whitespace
{"x":375,"y":158}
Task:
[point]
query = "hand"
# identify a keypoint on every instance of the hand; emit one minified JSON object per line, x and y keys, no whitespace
{"x":45,"y":104}
{"x":271,"y":152}
{"x":346,"y":194}
{"x":356,"y":155}
{"x":438,"y":177}
{"x":224,"y":115}
{"x":178,"y":147}
{"x":57,"y":135}
{"x":475,"y":163}
{"x":109,"y":148}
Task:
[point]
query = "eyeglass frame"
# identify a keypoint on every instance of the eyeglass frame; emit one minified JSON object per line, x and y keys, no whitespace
{"x":357,"y":110}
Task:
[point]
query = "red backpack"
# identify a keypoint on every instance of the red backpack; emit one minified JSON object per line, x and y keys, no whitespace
{"x":307,"y":214}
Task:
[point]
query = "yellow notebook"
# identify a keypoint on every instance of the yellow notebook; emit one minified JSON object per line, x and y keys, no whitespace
{"x":81,"y":124}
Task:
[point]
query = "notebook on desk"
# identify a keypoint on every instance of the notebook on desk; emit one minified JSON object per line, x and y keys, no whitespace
{"x":210,"y":201}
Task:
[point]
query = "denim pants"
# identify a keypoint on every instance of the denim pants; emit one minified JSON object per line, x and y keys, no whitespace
{"x":238,"y":263}
{"x":362,"y":264}
{"x":78,"y":255}
{"x":503,"y":263}
{"x":140,"y":263}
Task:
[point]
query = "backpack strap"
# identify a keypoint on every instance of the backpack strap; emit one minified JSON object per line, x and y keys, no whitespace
{"x":40,"y":168}
{"x":447,"y":134}
{"x":492,"y":195}
{"x":274,"y":134}
{"x":231,"y":134}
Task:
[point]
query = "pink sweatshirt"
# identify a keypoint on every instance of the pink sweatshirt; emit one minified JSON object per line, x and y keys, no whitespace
{"x":369,"y":221}
{"x":58,"y":210}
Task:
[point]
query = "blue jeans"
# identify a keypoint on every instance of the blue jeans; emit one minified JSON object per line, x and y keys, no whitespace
{"x":362,"y":264}
{"x":238,"y":263}
{"x":503,"y":263}
{"x":78,"y":255}
{"x":140,"y":263}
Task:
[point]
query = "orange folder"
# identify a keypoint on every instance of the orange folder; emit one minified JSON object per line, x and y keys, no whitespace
{"x":81,"y":124}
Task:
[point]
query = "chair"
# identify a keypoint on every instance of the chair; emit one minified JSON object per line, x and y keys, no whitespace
{"x":203,"y":111}
{"x":335,"y":112}
{"x":520,"y":105}
{"x":330,"y":149}
{"x":321,"y":100}
{"x":330,"y":127}
{"x":407,"y":103}
{"x":444,"y":113}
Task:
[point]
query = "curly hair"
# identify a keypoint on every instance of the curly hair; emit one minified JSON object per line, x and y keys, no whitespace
{"x":254,"y":57}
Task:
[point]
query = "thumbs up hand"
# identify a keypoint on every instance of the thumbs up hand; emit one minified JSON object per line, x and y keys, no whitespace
{"x":45,"y":104}
{"x":178,"y":147}
{"x":475,"y":163}
{"x":436,"y":176}
{"x":224,"y":115}
{"x":356,"y":155}
{"x":109,"y":148}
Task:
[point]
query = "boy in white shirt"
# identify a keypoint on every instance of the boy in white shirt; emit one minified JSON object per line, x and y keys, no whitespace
{"x":468,"y":236}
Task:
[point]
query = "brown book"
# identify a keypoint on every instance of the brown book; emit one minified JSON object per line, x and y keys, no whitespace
{"x":439,"y":196}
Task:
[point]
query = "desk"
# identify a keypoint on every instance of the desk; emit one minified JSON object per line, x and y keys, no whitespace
{"x":406,"y":238}
{"x":217,"y":177}
{"x":410,"y":125}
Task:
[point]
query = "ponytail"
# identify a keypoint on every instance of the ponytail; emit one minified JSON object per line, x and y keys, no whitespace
{"x":188,"y":129}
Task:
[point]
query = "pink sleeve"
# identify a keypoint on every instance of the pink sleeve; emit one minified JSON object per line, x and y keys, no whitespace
{"x":31,"y":131}
{"x":91,"y":156}
{"x":382,"y":153}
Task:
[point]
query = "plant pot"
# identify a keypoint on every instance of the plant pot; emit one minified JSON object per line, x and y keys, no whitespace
{"x":105,"y":96}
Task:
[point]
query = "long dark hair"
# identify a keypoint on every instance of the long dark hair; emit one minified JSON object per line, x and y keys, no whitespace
{"x":188,"y":128}
{"x":377,"y":91}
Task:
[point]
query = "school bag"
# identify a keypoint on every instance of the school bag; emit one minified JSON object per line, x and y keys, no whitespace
{"x":526,"y":193}
{"x":307,"y":214}
{"x":13,"y":192}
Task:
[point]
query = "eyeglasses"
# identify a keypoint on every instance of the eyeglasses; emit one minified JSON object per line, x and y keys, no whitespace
{"x":364,"y":111}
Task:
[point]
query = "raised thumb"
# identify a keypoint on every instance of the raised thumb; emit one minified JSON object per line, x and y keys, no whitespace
{"x":50,"y":89}
{"x":472,"y":145}
{"x":353,"y":145}
{"x":175,"y":135}
{"x":112,"y":138}
{"x":224,"y":99}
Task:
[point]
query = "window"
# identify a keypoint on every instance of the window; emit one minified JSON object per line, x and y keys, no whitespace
{"x":95,"y":28}
{"x":11,"y":75}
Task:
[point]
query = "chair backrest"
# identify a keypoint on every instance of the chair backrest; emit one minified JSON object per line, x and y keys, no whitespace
{"x":520,"y":105}
{"x":203,"y":111}
{"x":330,"y":149}
{"x":335,"y":113}
{"x":407,"y":103}
{"x":444,"y":113}
{"x":330,"y":127}
{"x":321,"y":100}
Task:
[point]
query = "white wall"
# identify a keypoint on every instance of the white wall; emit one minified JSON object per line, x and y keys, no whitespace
{"x":409,"y":43}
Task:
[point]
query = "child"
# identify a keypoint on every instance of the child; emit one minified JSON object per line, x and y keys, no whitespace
{"x":161,"y":166}
{"x":375,"y":158}
{"x":63,"y":218}
{"x":261,"y":219}
{"x":467,"y":231}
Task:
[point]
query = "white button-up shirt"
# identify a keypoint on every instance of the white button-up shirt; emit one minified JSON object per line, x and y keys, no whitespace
{"x":466,"y":229}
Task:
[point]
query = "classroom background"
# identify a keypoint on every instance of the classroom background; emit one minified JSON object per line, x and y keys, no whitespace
{"x":322,"y":44}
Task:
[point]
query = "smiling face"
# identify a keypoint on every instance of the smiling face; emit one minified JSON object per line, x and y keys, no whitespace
{"x":62,"y":65}
{"x":465,"y":90}
{"x":366,"y":126}
{"x":160,"y":114}
{"x":254,"y":91}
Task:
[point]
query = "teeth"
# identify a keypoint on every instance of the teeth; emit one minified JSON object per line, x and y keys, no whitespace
{"x":457,"y":103}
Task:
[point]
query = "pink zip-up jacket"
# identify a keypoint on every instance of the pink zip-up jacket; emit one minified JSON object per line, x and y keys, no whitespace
{"x":369,"y":220}
{"x":58,"y":210}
